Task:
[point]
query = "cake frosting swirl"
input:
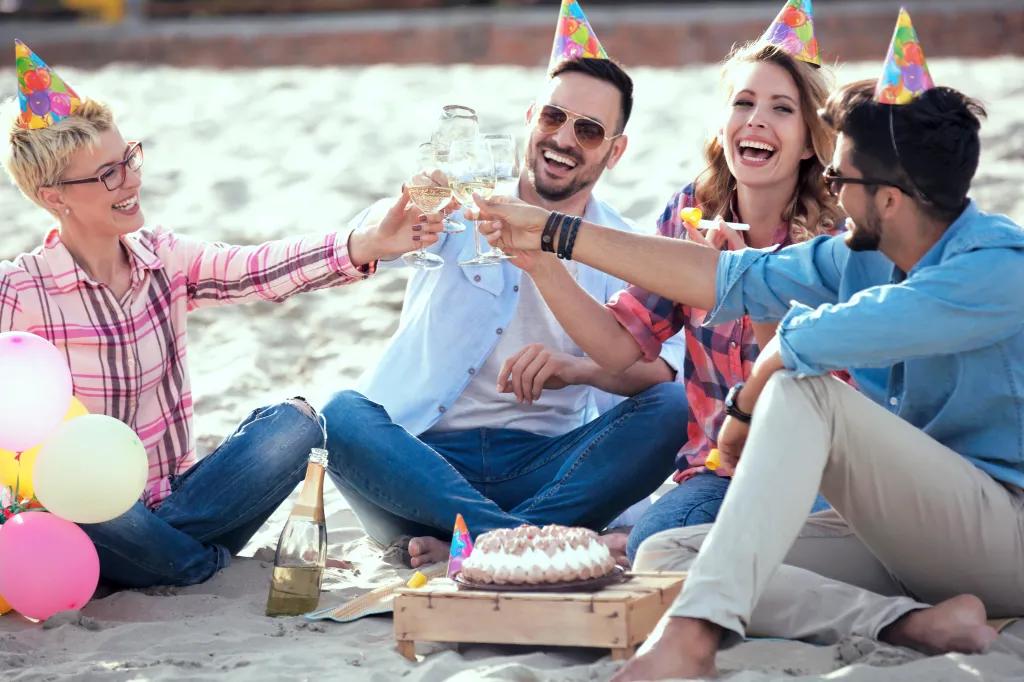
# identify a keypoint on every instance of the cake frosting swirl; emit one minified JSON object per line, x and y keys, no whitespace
{"x":529,"y":555}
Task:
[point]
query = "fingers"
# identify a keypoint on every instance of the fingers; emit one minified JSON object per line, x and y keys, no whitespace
{"x":530,"y":390}
{"x":730,"y":238}
{"x":542,"y":376}
{"x":518,"y":372}
{"x":694,"y":234}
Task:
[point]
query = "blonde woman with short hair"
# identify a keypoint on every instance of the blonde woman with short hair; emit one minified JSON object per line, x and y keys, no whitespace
{"x":114,"y":296}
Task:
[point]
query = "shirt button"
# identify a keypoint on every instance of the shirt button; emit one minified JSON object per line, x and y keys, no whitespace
{"x":499,"y":330}
{"x":733,"y":344}
{"x":472,"y":371}
{"x":515,"y":288}
{"x":476,"y":278}
{"x":441,"y":409}
{"x":894,"y":401}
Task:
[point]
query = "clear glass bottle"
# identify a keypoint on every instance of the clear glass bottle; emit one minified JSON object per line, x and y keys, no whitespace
{"x":302,"y":548}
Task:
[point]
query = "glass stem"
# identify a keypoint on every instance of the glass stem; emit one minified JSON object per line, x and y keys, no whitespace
{"x":476,"y":239}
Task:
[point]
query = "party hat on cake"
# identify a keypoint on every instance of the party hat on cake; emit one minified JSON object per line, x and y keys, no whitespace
{"x":462,"y":546}
{"x":573,"y":36}
{"x":905,"y":74}
{"x":793,"y":31}
{"x":43,"y":95}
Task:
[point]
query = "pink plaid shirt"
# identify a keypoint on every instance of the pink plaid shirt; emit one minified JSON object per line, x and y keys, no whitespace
{"x":716,"y":357}
{"x":128,"y":357}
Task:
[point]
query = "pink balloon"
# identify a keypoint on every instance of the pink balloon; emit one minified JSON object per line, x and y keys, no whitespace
{"x":49,"y":564}
{"x":36,"y":390}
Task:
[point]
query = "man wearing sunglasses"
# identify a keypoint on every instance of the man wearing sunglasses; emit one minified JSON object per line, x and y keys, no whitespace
{"x":481,"y":404}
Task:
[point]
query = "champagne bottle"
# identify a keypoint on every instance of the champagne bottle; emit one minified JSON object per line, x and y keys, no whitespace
{"x":302,"y":548}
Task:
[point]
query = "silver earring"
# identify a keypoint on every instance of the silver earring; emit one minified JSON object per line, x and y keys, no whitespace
{"x":67,"y":211}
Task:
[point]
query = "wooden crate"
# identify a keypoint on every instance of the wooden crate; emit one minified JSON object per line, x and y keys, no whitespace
{"x":618,"y":617}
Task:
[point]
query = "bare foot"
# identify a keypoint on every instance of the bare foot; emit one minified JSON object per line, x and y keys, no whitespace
{"x":682,"y":647}
{"x":957,"y":624}
{"x":427,"y":550}
{"x":615,"y":541}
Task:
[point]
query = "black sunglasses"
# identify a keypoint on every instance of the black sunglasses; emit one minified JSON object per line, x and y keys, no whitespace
{"x":113,"y":176}
{"x":834,"y":182}
{"x":589,"y":133}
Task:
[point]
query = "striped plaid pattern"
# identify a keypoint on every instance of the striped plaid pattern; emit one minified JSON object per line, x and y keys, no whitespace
{"x":128,"y":357}
{"x":716,"y":357}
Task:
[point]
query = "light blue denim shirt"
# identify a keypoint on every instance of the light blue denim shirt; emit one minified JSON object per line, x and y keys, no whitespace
{"x":451,"y":321}
{"x":942,"y":346}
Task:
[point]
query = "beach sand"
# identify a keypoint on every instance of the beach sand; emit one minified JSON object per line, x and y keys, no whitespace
{"x":246,"y":156}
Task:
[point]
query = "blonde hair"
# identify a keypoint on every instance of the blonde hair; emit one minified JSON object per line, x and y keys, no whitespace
{"x":812,"y":210}
{"x":38,"y":158}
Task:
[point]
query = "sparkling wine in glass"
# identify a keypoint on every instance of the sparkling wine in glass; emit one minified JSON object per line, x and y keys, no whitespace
{"x":506,"y":173}
{"x":472,"y":172}
{"x":429,"y":197}
{"x":457,"y":122}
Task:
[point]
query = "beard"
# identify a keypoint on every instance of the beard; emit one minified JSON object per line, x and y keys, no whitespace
{"x":867,"y":234}
{"x":587,"y":175}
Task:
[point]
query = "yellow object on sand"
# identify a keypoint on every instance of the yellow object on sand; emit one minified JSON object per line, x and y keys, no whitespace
{"x":691,"y":215}
{"x":714,"y":459}
{"x":417,"y":581}
{"x":4,"y":606}
{"x":110,"y":11}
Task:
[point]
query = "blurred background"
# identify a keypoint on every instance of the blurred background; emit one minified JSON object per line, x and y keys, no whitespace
{"x":268,"y":118}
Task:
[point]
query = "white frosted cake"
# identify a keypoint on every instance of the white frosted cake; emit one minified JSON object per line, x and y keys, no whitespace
{"x":529,"y":555}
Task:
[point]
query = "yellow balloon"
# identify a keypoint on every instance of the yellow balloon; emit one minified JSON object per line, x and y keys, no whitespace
{"x":11,"y":469}
{"x":4,"y":606}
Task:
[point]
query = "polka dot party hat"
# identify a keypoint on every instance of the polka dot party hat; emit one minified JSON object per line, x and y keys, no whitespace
{"x":905,"y":74}
{"x":43,"y":95}
{"x":573,"y":36}
{"x":793,"y":31}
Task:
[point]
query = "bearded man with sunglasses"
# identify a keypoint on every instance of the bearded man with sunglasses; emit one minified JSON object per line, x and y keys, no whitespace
{"x":481,"y":404}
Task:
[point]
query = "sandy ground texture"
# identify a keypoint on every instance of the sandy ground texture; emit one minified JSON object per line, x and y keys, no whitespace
{"x":245,"y":156}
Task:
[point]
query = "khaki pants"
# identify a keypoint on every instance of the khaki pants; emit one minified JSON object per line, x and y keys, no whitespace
{"x":914,"y":524}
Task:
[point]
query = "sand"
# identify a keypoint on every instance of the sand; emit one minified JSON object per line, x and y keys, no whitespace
{"x":244,"y":156}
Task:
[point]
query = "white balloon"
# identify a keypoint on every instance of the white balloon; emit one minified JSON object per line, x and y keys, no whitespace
{"x":35,"y":390}
{"x":92,"y":470}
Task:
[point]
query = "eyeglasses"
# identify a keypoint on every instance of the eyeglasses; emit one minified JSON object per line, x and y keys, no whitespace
{"x":834,"y":182}
{"x":589,"y":133}
{"x":113,"y":176}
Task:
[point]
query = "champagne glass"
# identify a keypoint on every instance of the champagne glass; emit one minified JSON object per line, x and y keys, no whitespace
{"x":429,"y":197}
{"x":506,"y":172}
{"x":472,"y":171}
{"x":457,"y":122}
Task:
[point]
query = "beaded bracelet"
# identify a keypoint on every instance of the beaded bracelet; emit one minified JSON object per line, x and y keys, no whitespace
{"x":574,"y":229}
{"x":563,"y":235}
{"x":547,"y":238}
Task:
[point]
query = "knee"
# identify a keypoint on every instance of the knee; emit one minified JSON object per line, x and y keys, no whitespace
{"x":669,"y":550}
{"x":343,"y":412}
{"x":296,"y":429}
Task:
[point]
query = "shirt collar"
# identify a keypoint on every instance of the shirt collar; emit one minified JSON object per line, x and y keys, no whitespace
{"x":934,"y":255}
{"x":67,"y":275}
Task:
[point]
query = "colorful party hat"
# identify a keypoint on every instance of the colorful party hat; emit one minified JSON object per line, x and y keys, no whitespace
{"x":905,"y":74}
{"x":793,"y":31}
{"x":573,"y":36}
{"x":462,"y":545}
{"x":43,"y":95}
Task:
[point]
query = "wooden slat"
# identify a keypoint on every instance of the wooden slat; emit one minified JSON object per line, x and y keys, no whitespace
{"x":618,"y":617}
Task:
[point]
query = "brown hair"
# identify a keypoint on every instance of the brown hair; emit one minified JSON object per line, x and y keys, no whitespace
{"x":812,"y":210}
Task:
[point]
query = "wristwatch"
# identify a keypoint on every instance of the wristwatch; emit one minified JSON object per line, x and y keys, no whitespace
{"x":732,"y":404}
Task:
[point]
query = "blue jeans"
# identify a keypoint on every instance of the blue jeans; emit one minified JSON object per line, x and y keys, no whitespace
{"x":214,"y":507}
{"x":399,"y":484}
{"x":693,"y":502}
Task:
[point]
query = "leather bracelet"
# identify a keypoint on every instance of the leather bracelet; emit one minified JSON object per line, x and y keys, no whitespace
{"x":731,"y":408}
{"x":574,"y":230}
{"x":547,"y":237}
{"x":563,"y":235}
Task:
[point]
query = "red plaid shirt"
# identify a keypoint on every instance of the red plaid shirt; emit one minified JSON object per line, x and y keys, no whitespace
{"x":716,"y":357}
{"x":128,"y":357}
